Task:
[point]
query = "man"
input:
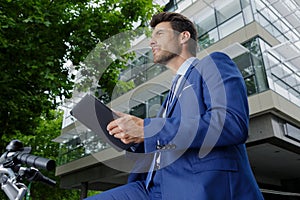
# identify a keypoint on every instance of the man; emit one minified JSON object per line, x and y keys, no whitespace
{"x":198,"y":136}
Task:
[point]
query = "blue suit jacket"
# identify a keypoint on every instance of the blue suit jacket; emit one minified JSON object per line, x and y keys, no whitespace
{"x":201,"y":139}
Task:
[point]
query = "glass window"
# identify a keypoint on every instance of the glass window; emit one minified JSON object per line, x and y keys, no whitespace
{"x":171,"y":6}
{"x":231,"y":25}
{"x":154,"y":106}
{"x":263,"y":22}
{"x":208,"y":39}
{"x":140,"y":78}
{"x":268,"y":14}
{"x":277,"y":71}
{"x":258,"y":5}
{"x":164,"y":96}
{"x":227,"y":9}
{"x":248,"y":15}
{"x":250,"y":84}
{"x":252,"y":67}
{"x":245,"y":3}
{"x":279,"y":75}
{"x":281,"y":87}
{"x":254,"y":47}
{"x":155,"y":70}
{"x":139,"y":111}
{"x":141,"y":60}
{"x":205,"y":20}
{"x":291,"y":36}
{"x":271,"y":62}
{"x":260,"y":73}
{"x":244,"y":64}
{"x":290,"y":80}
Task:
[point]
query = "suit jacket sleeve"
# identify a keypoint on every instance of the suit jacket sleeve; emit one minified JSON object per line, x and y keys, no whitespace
{"x":211,"y":109}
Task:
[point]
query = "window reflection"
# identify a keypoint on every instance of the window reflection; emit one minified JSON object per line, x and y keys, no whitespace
{"x":226,"y":9}
{"x":221,"y":19}
{"x":244,"y":64}
{"x":208,"y":39}
{"x":260,"y":73}
{"x":139,"y":110}
{"x":205,"y":20}
{"x":86,"y":143}
{"x":251,"y":85}
{"x":231,"y":25}
{"x":252,"y":67}
{"x":154,"y":105}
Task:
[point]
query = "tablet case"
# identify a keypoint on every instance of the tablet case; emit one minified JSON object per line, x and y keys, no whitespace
{"x":95,"y":115}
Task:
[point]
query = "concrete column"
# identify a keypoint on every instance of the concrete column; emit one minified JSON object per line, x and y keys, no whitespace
{"x":84,"y":190}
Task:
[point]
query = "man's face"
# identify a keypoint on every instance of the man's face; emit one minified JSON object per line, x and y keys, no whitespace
{"x":164,"y":43}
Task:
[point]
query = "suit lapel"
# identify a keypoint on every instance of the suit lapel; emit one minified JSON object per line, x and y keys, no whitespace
{"x":163,"y":107}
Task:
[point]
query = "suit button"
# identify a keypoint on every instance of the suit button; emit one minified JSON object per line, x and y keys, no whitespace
{"x":133,"y":148}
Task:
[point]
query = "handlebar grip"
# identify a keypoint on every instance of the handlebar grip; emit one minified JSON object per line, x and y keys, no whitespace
{"x":48,"y":181}
{"x":36,"y":161}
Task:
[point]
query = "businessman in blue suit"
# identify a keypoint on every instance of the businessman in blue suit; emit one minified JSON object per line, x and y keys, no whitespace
{"x":198,"y":138}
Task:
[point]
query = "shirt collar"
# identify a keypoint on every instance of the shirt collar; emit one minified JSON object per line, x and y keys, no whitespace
{"x":184,"y":67}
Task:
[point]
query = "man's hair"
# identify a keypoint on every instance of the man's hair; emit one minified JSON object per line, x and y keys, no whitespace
{"x":179,"y":23}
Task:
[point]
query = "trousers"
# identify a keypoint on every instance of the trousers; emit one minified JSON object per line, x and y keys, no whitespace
{"x":130,"y":191}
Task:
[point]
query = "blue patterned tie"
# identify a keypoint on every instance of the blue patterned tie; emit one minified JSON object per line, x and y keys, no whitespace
{"x":156,"y":155}
{"x":172,"y":91}
{"x":151,"y":170}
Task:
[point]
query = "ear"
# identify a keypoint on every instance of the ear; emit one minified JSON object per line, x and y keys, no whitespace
{"x":184,"y":37}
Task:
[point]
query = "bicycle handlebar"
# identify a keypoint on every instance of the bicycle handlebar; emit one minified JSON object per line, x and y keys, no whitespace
{"x":12,"y":174}
{"x":33,"y":174}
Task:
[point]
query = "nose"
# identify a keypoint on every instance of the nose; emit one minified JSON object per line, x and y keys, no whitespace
{"x":152,"y":42}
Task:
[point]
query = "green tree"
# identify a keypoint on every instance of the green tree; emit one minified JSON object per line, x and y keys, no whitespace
{"x":38,"y":36}
{"x":32,"y":74}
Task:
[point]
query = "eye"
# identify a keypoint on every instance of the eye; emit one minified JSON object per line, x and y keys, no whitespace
{"x":159,"y":33}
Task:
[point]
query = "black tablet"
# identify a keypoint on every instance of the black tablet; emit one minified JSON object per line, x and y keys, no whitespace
{"x":95,"y":115}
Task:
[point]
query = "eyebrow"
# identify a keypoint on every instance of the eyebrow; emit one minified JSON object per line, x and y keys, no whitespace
{"x":162,"y":30}
{"x":159,"y":31}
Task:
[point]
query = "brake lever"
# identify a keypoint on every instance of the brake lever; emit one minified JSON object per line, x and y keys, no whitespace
{"x":33,"y":174}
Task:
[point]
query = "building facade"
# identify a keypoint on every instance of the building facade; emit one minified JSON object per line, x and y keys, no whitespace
{"x":263,"y":38}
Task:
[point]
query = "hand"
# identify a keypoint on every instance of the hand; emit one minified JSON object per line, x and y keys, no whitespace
{"x":128,"y":128}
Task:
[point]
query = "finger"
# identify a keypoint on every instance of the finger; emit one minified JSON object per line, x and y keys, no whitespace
{"x":112,"y":125}
{"x":126,"y":141}
{"x":121,"y":136}
{"x":132,"y":140}
{"x":115,"y":130}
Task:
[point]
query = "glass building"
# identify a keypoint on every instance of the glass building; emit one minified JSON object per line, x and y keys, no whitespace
{"x":263,"y":38}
